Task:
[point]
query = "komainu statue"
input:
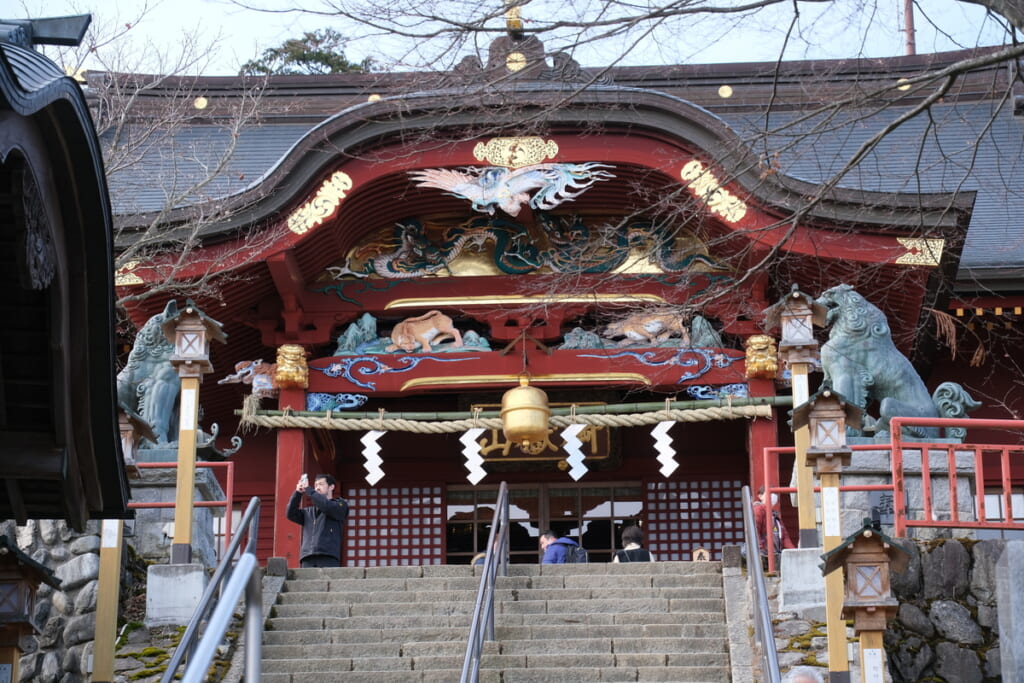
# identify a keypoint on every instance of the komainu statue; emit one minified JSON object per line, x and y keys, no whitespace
{"x":148,"y":385}
{"x":862,"y":363}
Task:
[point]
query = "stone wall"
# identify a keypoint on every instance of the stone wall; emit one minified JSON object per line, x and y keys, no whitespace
{"x":66,"y":617}
{"x":946,"y":628}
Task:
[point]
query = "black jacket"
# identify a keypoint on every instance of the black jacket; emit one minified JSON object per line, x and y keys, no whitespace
{"x":322,"y":523}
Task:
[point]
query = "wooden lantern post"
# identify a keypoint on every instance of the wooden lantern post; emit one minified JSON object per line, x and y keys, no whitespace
{"x":108,"y":591}
{"x":20,"y":577}
{"x":797,"y":314}
{"x":190,"y":331}
{"x":825,"y":417}
{"x":868,"y":557}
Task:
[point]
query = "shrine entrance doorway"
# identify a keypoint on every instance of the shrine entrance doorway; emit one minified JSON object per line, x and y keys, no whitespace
{"x":678,"y":517}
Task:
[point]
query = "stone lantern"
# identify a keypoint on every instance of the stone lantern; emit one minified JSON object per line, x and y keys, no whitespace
{"x":133,"y":429}
{"x":190,"y":331}
{"x":20,"y":577}
{"x":868,"y":557}
{"x":827,"y":414}
{"x":797,"y":314}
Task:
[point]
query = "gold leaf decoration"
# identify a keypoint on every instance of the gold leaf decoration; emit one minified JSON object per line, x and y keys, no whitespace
{"x":921,"y":251}
{"x":515,"y":152}
{"x":124,"y":275}
{"x":706,"y":187}
{"x":322,"y":205}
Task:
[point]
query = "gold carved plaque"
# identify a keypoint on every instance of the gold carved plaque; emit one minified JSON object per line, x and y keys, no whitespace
{"x":596,"y":443}
{"x":515,"y":152}
{"x":124,"y":276}
{"x":921,"y":251}
{"x":706,"y":187}
{"x":323,"y":204}
{"x":496,"y":448}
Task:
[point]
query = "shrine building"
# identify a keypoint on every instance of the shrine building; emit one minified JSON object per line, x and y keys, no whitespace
{"x":425,"y":243}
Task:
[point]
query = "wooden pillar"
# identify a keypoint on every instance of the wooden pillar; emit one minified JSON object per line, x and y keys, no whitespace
{"x":872,"y":657}
{"x":107,"y":600}
{"x":188,"y":422}
{"x":290,"y":464}
{"x":804,"y":472}
{"x":10,"y":653}
{"x":838,"y":657}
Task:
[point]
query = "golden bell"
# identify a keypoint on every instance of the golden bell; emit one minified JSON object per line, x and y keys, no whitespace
{"x":524,"y":414}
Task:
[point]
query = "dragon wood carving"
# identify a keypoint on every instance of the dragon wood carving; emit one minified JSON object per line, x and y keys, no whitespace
{"x":408,"y":252}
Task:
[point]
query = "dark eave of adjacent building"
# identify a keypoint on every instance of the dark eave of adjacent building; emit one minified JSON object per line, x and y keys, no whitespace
{"x":34,"y":91}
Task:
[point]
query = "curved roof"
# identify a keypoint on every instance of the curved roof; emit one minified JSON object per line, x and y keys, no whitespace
{"x":60,"y":451}
{"x":963,"y":149}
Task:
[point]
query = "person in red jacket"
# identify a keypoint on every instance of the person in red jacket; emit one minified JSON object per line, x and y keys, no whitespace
{"x":766,"y":522}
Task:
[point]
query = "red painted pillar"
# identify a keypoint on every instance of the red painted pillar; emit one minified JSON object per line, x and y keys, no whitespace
{"x":290,"y":464}
{"x":762,"y":433}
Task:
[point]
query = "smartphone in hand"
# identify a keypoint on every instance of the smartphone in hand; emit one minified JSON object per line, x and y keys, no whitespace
{"x":304,"y":481}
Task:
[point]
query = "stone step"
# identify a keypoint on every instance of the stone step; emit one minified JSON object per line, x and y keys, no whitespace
{"x":687,"y":623}
{"x":554,"y":623}
{"x":364,"y":636}
{"x":551,"y":607}
{"x":381,"y":644}
{"x":326,"y":583}
{"x":283,"y":631}
{"x":454,"y":571}
{"x":333,"y":597}
{"x":560,"y":674}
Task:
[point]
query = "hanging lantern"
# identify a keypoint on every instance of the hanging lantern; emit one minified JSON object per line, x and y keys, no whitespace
{"x":524,"y":415}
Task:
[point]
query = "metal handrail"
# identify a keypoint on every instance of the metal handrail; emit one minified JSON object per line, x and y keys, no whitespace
{"x":482,"y":626}
{"x":229,"y":579}
{"x":764,"y":636}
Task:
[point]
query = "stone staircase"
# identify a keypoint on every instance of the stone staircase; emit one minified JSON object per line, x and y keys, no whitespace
{"x":662,"y":621}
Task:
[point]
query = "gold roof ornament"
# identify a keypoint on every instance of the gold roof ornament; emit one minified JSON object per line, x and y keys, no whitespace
{"x":513,"y":21}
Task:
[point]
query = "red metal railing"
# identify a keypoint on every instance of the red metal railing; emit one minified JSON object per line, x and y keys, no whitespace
{"x":985,"y":460}
{"x":770,"y":472}
{"x":229,"y":492}
{"x":992,"y":466}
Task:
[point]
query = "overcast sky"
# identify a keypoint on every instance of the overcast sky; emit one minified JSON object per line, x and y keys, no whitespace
{"x":244,"y":34}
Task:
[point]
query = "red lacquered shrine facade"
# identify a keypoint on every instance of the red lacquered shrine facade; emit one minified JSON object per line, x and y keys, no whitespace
{"x":617,"y":250}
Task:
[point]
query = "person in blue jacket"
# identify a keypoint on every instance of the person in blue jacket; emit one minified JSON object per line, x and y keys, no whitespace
{"x":554,"y":547}
{"x":322,"y":522}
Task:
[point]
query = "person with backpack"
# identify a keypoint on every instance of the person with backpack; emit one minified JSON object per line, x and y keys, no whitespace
{"x":562,"y":550}
{"x":632,"y":539}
